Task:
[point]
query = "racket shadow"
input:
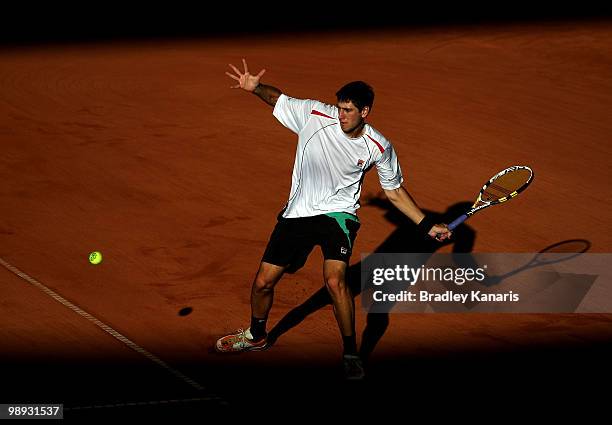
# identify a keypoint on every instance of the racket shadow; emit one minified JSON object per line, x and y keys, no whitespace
{"x":552,"y":254}
{"x":405,"y":238}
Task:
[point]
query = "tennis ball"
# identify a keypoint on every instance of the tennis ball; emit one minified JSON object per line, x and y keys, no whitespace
{"x":95,"y":257}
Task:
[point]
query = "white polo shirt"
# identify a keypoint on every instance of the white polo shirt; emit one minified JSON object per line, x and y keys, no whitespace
{"x":330,"y":166}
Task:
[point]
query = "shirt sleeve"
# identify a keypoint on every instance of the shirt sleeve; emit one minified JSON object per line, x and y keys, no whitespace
{"x":293,"y":113}
{"x":389,"y":170}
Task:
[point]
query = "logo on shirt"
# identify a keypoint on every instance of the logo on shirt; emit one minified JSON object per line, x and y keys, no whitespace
{"x":360,"y":163}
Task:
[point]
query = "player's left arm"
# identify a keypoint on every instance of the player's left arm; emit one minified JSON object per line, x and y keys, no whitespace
{"x":402,"y":200}
{"x":251,"y":83}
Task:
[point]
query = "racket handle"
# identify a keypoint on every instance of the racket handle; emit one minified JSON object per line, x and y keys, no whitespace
{"x":457,"y":222}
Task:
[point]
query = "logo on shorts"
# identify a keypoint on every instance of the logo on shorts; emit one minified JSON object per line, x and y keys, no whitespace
{"x":360,"y":163}
{"x":343,"y":250}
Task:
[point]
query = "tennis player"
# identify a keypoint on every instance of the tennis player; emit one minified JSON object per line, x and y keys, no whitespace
{"x":335,"y":148}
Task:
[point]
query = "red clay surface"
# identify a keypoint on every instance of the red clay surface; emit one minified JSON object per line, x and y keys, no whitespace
{"x":142,"y":151}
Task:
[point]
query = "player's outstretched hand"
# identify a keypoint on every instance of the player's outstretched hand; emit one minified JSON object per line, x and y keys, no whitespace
{"x":246,"y":81}
{"x":440,"y":232}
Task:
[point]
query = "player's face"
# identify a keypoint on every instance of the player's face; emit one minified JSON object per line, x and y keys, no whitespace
{"x":350,"y":117}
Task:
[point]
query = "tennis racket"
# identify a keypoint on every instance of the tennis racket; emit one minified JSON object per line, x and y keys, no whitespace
{"x":501,"y":187}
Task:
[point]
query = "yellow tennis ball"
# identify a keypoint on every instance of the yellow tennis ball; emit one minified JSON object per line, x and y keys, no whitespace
{"x":95,"y":257}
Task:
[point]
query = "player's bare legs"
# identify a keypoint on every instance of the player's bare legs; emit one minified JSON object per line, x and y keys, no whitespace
{"x":262,"y":295}
{"x":334,"y":272}
{"x":344,"y":308}
{"x":262,"y":291}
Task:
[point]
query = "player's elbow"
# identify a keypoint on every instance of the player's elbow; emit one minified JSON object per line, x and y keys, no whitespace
{"x":393,"y":195}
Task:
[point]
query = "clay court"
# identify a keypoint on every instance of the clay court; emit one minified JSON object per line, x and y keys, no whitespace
{"x":142,"y":151}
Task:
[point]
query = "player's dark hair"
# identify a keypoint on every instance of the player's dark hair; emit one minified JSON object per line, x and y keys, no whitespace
{"x":358,"y":92}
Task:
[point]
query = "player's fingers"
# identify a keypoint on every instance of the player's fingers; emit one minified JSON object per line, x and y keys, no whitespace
{"x":235,"y":69}
{"x":232,"y":76}
{"x":262,"y":72}
{"x":246,"y":67}
{"x":442,"y":236}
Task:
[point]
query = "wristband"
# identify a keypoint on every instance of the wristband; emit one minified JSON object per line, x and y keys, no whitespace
{"x":425,"y":225}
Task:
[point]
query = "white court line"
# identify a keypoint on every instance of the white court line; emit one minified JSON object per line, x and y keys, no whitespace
{"x":146,"y":403}
{"x":101,"y":325}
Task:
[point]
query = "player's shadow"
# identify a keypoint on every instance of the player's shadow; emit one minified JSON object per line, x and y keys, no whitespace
{"x":404,"y":239}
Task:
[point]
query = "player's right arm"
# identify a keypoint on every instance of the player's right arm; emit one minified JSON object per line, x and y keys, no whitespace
{"x":251,"y":83}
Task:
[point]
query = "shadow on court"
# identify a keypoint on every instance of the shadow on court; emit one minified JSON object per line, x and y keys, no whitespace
{"x":552,"y":254}
{"x":481,"y":376}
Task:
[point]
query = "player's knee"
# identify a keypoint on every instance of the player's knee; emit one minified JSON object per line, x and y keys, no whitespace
{"x":263,"y":283}
{"x":335,"y":284}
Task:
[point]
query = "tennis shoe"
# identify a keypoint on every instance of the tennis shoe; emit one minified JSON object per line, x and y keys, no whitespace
{"x":353,"y":367}
{"x":240,"y":341}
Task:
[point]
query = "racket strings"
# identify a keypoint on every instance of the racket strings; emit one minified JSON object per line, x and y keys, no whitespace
{"x":506,"y":185}
{"x":503,"y":186}
{"x":500,"y":189}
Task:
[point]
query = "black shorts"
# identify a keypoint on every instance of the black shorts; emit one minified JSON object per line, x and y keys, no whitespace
{"x":294,"y":238}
